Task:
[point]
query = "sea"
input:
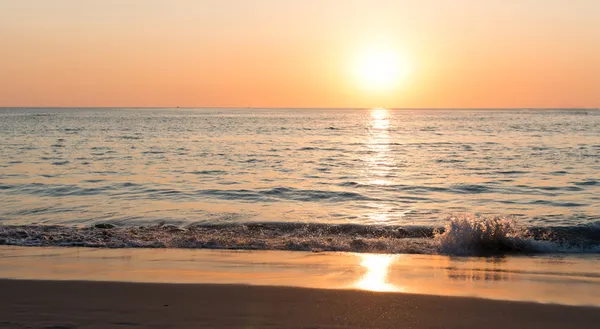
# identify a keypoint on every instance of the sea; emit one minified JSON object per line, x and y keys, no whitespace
{"x":430,"y":181}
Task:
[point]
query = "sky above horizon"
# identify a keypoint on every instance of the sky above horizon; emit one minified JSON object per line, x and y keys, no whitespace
{"x":275,"y":53}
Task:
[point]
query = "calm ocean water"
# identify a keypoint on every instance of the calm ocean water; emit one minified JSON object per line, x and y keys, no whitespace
{"x":397,"y":168}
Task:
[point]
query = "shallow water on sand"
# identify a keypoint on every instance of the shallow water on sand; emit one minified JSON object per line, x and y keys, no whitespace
{"x":572,"y":280}
{"x":400,"y":167}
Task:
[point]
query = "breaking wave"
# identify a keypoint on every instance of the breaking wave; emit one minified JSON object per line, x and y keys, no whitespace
{"x":465,"y":235}
{"x":462,"y":235}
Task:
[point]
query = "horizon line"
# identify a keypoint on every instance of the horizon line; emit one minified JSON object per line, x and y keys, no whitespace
{"x":298,"y":108}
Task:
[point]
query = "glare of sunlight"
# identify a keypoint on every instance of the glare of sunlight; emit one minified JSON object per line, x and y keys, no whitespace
{"x":380,"y":160}
{"x":380,"y":116}
{"x":380,"y":68}
{"x":377,"y":268}
{"x":381,"y":182}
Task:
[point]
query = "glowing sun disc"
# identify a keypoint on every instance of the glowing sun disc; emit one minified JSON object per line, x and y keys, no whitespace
{"x":380,"y":69}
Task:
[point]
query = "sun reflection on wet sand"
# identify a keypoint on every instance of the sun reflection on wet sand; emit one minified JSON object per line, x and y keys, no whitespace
{"x":570,"y":280}
{"x":375,"y":278}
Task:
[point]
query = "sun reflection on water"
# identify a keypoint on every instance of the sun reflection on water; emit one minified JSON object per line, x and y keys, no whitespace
{"x":380,"y":160}
{"x":375,"y":279}
{"x":380,"y":118}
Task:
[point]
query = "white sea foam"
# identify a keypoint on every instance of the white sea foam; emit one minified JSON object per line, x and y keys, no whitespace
{"x":463,"y":235}
{"x":468,"y":234}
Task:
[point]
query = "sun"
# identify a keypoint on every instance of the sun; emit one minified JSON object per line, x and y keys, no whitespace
{"x":380,"y":69}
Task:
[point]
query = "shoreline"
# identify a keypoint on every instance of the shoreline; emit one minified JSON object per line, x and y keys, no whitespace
{"x":503,"y":236}
{"x":75,"y":304}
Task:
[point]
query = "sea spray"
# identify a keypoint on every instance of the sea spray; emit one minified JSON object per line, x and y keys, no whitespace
{"x":472,"y":235}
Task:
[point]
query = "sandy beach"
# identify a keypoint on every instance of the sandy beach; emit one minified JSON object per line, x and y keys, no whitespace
{"x":68,"y":288}
{"x":73,"y":304}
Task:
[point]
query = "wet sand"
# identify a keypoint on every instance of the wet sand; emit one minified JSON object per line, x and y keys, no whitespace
{"x":79,"y":304}
{"x":566,"y":280}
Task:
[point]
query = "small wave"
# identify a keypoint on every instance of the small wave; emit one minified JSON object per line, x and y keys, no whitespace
{"x":449,"y":161}
{"x":253,"y":160}
{"x":558,"y":204}
{"x":511,"y":172}
{"x":311,"y":195}
{"x":208,"y":172}
{"x":590,"y":182}
{"x":470,"y":188}
{"x":463,"y":235}
{"x":350,"y":184}
{"x":258,"y":236}
{"x":55,"y":190}
{"x":285,"y":193}
{"x":92,"y":180}
{"x":312,"y":148}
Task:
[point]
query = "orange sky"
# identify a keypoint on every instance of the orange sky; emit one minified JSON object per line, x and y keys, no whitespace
{"x":277,"y":53}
